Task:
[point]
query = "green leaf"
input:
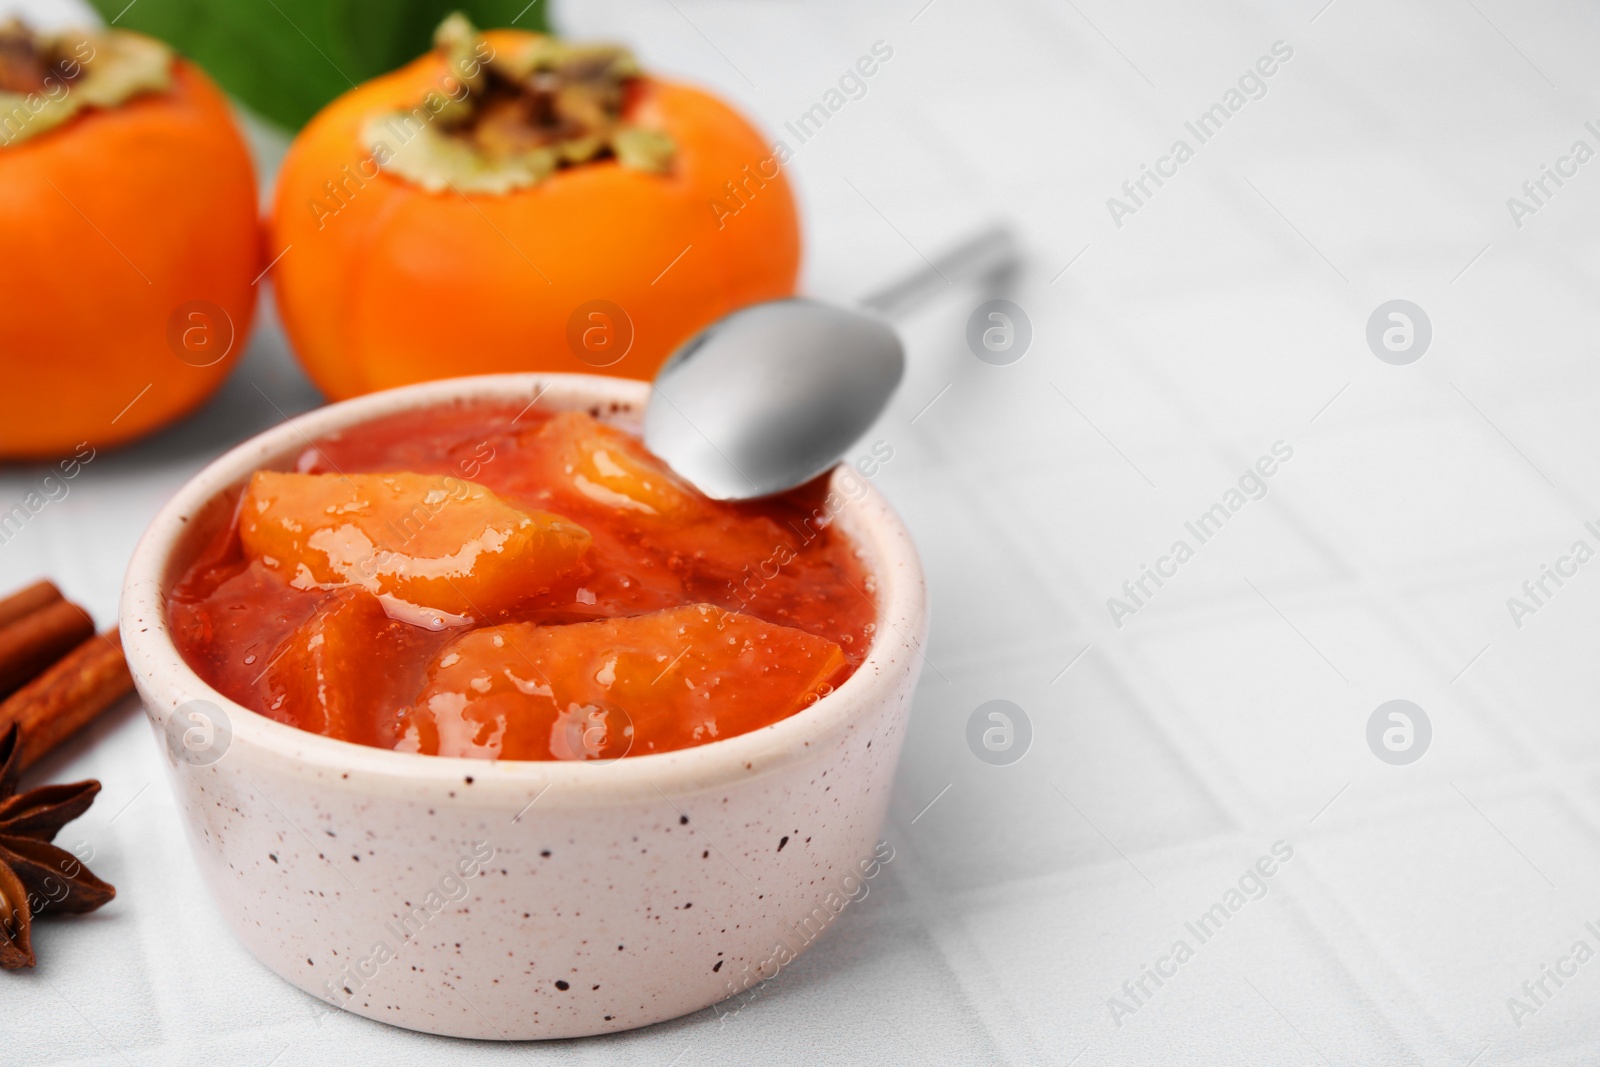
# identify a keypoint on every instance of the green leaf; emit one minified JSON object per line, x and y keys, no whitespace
{"x":286,"y":59}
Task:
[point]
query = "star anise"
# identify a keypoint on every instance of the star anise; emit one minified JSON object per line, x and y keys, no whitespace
{"x":34,"y":874}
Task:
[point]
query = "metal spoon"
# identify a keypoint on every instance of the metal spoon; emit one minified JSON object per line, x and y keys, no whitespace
{"x":769,"y":397}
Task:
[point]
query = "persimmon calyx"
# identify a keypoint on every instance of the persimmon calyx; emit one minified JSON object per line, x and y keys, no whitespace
{"x":46,"y":79}
{"x":509,"y":118}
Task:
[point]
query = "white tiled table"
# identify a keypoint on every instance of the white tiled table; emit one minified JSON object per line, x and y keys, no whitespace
{"x":1227,"y":314}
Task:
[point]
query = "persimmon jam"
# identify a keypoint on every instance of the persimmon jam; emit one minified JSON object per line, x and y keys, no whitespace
{"x":506,"y":582}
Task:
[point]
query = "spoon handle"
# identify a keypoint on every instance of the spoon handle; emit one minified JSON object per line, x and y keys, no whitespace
{"x":990,"y":255}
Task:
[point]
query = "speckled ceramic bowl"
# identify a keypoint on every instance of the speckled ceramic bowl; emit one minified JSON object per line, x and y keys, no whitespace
{"x":523,"y":899}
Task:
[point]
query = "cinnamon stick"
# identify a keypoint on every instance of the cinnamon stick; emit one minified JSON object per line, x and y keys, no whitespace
{"x":27,"y":600}
{"x":38,"y":639}
{"x":68,"y":695}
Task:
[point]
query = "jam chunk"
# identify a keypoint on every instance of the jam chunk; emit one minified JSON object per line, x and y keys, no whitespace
{"x":318,"y":677}
{"x":603,"y":466}
{"x":430,"y":545}
{"x":607,"y":478}
{"x":602,"y":690}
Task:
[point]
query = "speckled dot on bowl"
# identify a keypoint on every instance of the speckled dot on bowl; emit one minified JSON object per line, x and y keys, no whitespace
{"x":518,"y":899}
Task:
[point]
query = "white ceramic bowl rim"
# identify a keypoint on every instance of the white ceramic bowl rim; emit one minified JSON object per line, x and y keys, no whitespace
{"x":154,"y":659}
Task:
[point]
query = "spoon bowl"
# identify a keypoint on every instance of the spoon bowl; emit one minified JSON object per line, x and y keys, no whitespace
{"x":771,"y":396}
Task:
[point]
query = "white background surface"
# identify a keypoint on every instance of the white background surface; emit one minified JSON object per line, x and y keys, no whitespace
{"x":1227,"y":314}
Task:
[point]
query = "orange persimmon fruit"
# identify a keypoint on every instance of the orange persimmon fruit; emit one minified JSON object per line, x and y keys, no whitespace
{"x":511,"y":202}
{"x":129,"y":239}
